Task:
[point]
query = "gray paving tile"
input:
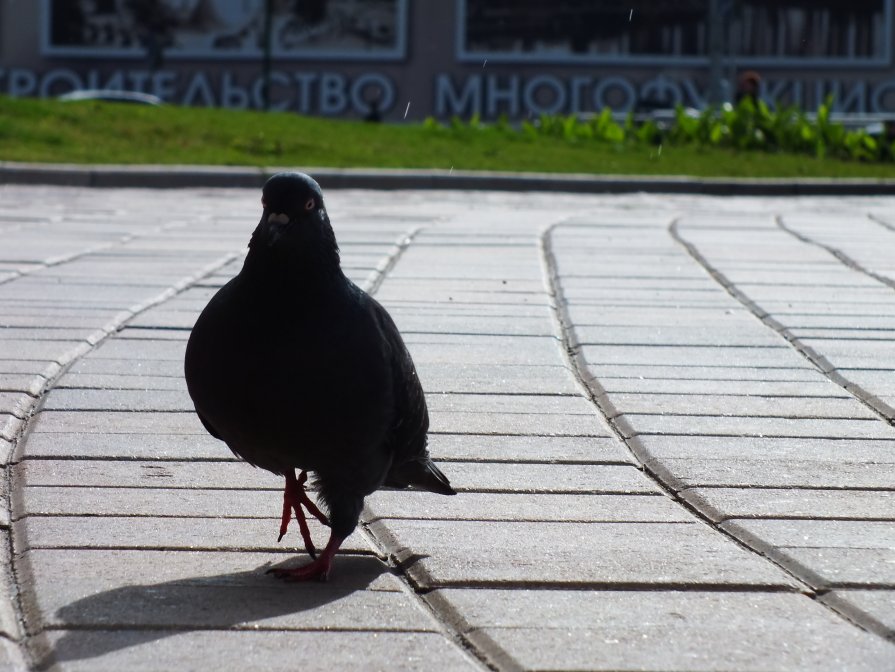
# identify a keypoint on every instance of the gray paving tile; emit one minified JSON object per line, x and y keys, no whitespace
{"x":572,"y":554}
{"x":723,"y":503}
{"x":711,"y":425}
{"x":780,"y":356}
{"x":516,"y":403}
{"x":525,"y":507}
{"x":142,"y":533}
{"x":659,"y":630}
{"x":756,"y":447}
{"x":205,"y":590}
{"x":670,"y":371}
{"x":30,"y":384}
{"x":517,"y":423}
{"x":757,"y":388}
{"x":554,"y":449}
{"x":140,"y":446}
{"x":819,"y":533}
{"x":141,"y":650}
{"x":118,"y":400}
{"x":73,"y":422}
{"x":151,"y":474}
{"x":485,"y":378}
{"x":683,"y":473}
{"x":738,"y":405}
{"x":826,"y":568}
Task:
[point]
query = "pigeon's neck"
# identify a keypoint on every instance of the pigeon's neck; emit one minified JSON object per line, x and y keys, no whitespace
{"x":310,"y":273}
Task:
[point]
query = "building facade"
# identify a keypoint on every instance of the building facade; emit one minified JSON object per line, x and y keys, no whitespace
{"x":408,"y":59}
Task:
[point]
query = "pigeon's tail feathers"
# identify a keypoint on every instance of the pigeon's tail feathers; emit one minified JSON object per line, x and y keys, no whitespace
{"x":420,"y":475}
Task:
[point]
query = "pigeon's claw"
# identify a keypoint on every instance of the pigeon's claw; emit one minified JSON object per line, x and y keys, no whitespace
{"x":318,"y":569}
{"x":296,"y":499}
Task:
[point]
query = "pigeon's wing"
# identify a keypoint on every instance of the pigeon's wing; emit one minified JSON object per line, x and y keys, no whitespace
{"x":411,"y":465}
{"x":411,"y":417}
{"x":208,"y":426}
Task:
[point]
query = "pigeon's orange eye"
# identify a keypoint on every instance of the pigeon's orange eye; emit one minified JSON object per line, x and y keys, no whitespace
{"x":310,"y":204}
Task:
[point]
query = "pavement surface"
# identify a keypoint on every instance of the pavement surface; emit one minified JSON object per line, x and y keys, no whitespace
{"x":669,"y":419}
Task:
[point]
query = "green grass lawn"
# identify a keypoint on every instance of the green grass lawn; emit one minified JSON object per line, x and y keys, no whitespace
{"x":92,"y":132}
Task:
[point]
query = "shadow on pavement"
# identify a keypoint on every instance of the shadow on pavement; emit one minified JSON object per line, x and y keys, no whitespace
{"x":250,"y":600}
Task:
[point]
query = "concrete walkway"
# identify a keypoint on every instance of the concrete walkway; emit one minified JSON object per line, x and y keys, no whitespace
{"x":669,"y":419}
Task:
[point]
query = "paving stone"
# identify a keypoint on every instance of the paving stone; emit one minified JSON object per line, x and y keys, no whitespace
{"x":670,"y":371}
{"x":765,"y":389}
{"x":755,"y":447}
{"x":517,"y":403}
{"x":780,"y":356}
{"x":118,"y":400}
{"x":553,"y":449}
{"x":194,"y":534}
{"x":683,"y":473}
{"x":819,"y":533}
{"x":576,"y":554}
{"x":728,"y":335}
{"x":864,"y":605}
{"x":517,"y":423}
{"x":30,"y":384}
{"x":488,"y":379}
{"x":41,"y":351}
{"x":723,"y":503}
{"x":141,"y":650}
{"x":38,"y":500}
{"x":524,"y":507}
{"x":712,"y":425}
{"x":115,"y":382}
{"x":738,"y":406}
{"x":9,"y":426}
{"x":74,"y":422}
{"x":182,"y":589}
{"x":826,"y":568}
{"x":136,"y":474}
{"x":142,"y":446}
{"x":147,"y":367}
{"x":529,"y":351}
{"x":659,"y":630}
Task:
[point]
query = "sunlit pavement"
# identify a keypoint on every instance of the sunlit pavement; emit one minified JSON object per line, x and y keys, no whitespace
{"x":669,"y":419}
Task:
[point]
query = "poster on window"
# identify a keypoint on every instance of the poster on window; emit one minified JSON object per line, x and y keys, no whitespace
{"x":363,"y":30}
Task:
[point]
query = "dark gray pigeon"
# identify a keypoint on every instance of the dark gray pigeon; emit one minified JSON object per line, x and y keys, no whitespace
{"x":295,"y":367}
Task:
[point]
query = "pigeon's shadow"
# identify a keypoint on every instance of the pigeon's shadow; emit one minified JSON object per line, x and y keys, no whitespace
{"x":139,"y":614}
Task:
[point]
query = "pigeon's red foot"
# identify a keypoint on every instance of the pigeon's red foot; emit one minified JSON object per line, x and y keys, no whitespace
{"x":318,"y":569}
{"x":294,"y":498}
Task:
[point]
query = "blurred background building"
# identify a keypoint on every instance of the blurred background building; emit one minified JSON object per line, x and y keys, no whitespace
{"x":407,"y":59}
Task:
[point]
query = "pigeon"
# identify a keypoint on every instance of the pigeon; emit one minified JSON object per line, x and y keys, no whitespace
{"x":295,"y":367}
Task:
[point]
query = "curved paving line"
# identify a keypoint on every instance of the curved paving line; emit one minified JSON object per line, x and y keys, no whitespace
{"x":389,"y":550}
{"x":621,"y":428}
{"x":820,"y":363}
{"x":21,"y":566}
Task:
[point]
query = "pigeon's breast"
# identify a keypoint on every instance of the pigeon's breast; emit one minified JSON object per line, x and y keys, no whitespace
{"x":302,"y":387}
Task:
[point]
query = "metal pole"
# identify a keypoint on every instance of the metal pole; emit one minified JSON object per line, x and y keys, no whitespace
{"x":265,"y":66}
{"x":716,"y":53}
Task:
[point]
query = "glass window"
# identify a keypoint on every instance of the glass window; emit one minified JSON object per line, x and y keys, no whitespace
{"x":760,"y":32}
{"x":229,"y":29}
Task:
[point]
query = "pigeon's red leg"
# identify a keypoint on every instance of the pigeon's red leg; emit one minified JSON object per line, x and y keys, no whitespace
{"x":318,"y":569}
{"x":294,"y":497}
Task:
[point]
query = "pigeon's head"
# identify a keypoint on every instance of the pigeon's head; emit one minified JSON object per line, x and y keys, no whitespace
{"x":294,"y":219}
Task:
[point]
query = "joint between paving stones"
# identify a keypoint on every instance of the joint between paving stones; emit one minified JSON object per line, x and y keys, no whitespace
{"x":19,"y":565}
{"x":617,"y":422}
{"x":826,"y":368}
{"x":387,"y":551}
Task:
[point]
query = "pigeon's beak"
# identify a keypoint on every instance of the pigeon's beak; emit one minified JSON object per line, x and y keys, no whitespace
{"x":276,"y":224}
